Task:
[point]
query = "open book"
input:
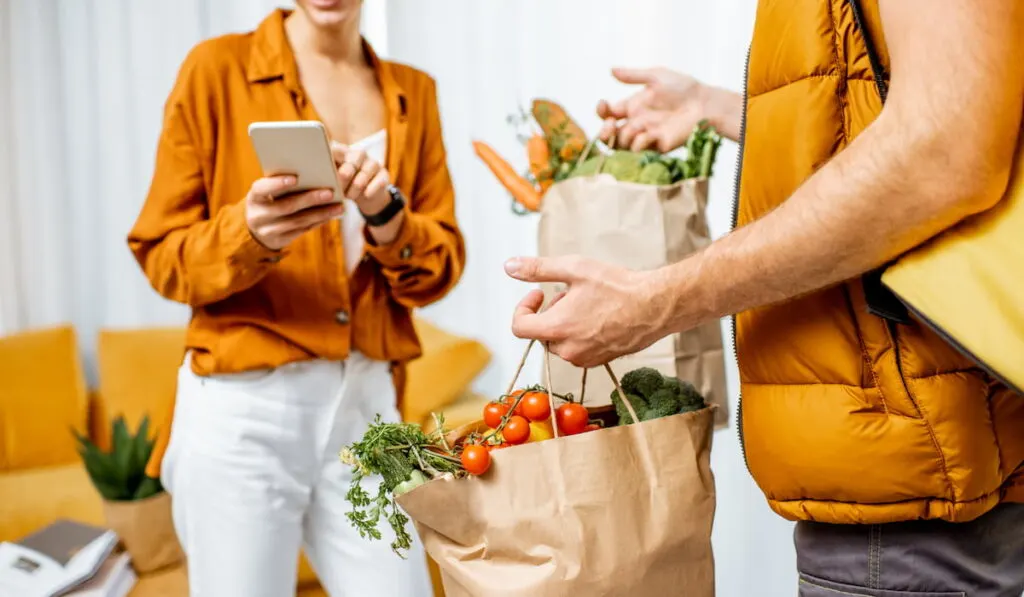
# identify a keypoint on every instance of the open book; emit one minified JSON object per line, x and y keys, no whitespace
{"x":115,"y":579}
{"x":55,"y":560}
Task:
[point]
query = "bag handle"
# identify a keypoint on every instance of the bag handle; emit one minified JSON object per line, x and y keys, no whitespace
{"x":550,"y":393}
{"x":602,"y":155}
{"x":880,"y":300}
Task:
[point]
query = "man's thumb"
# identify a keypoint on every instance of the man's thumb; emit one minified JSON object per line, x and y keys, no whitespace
{"x":634,"y":76}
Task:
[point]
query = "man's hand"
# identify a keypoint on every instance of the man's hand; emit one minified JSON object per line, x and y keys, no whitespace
{"x":662,"y":114}
{"x":941,"y":150}
{"x":275,"y":223}
{"x":601,"y":316}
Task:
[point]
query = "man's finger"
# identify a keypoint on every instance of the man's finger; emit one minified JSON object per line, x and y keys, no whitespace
{"x":613,"y":110}
{"x":608,"y":129}
{"x":542,"y":269}
{"x":527,"y":322}
{"x":634,"y":76}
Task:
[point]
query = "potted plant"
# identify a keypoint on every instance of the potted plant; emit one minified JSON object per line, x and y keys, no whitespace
{"x":135,"y":505}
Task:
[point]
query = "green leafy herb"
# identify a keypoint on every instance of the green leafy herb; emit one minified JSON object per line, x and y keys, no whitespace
{"x":399,"y":453}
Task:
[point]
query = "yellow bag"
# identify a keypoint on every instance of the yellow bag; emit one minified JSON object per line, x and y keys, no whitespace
{"x":968,"y":283}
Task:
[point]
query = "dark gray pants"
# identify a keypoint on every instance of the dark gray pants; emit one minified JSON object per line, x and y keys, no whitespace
{"x":981,"y":558}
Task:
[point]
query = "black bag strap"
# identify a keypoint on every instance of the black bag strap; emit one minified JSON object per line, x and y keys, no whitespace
{"x":880,"y":300}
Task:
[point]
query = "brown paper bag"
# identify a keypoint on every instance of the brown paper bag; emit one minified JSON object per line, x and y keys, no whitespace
{"x":623,"y":511}
{"x":640,"y":227}
{"x":146,"y":530}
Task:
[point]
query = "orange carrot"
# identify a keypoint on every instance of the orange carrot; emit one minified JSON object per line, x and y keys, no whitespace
{"x":555,"y":122}
{"x":540,"y":160}
{"x":522,"y":191}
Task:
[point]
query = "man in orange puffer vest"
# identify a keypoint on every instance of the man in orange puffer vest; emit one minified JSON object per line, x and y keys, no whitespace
{"x":899,"y":457}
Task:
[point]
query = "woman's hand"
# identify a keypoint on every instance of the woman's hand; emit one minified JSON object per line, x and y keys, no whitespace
{"x":365,"y":181}
{"x":662,"y":115}
{"x":275,"y":220}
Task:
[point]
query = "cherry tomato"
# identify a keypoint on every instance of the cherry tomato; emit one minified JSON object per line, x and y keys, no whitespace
{"x":511,"y":399}
{"x":476,"y":459}
{"x":493,"y":413}
{"x":536,"y":406}
{"x":517,"y":430}
{"x":592,"y":427}
{"x":571,"y":418}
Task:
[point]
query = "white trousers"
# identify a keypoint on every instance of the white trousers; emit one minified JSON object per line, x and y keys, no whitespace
{"x":253,"y":470}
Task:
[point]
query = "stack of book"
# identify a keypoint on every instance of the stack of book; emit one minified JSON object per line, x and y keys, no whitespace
{"x":66,"y":559}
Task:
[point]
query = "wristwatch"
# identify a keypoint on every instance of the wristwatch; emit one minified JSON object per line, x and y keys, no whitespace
{"x":390,"y":210}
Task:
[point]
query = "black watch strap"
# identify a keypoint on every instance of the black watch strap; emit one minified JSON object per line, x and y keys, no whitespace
{"x":390,"y":211}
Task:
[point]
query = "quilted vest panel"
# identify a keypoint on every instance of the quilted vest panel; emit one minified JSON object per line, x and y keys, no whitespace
{"x":844,"y":417}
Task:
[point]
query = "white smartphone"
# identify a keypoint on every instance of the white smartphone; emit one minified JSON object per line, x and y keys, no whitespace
{"x":297,"y":147}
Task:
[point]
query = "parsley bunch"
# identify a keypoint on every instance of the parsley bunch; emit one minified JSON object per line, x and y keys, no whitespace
{"x":395,"y":452}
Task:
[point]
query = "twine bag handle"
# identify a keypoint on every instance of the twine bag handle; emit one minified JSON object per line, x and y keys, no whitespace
{"x":601,"y":155}
{"x":550,"y":393}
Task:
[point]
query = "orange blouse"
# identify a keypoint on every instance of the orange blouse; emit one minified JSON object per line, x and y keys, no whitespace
{"x":256,"y":308}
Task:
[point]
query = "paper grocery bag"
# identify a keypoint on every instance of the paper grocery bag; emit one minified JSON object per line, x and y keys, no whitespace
{"x":621,"y":512}
{"x":640,"y":227}
{"x":146,"y":530}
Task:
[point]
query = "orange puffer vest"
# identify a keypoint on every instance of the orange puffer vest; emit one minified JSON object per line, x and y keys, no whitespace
{"x":846,"y":417}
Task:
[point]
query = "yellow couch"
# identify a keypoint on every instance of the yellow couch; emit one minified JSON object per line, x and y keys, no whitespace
{"x":44,"y":396}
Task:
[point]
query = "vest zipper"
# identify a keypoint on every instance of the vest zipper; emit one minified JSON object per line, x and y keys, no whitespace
{"x":735,"y":219}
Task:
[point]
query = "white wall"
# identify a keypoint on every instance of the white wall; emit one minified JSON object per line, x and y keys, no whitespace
{"x":491,"y":57}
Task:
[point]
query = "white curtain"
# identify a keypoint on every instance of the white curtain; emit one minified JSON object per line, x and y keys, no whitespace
{"x":82,"y":90}
{"x":82,"y":86}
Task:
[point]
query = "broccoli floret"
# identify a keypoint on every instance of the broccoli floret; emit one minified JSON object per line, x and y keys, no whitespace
{"x":665,"y":400}
{"x":655,"y":173}
{"x":644,"y":381}
{"x":589,"y":167}
{"x":638,"y":403}
{"x":690,"y":398}
{"x":623,"y":165}
{"x":663,"y":403}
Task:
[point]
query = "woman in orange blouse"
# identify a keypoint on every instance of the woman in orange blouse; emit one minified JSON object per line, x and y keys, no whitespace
{"x":301,"y":317}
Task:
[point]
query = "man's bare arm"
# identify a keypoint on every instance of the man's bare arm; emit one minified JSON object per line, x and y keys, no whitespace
{"x":940,"y":150}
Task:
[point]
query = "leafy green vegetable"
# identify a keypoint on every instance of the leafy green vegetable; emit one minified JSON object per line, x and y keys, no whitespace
{"x":399,"y":453}
{"x":120,"y":474}
{"x":638,"y":403}
{"x":654,"y":395}
{"x":643,"y":381}
{"x":652,"y":167}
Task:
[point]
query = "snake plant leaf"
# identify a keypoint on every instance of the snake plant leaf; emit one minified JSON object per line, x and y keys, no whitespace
{"x":119,"y":474}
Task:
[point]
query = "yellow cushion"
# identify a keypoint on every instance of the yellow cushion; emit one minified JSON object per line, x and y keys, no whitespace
{"x":43,"y":397}
{"x":468,"y":408}
{"x":32,"y":499}
{"x":138,"y":371}
{"x":447,"y":368}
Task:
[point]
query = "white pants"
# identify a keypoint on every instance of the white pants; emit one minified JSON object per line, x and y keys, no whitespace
{"x":253,"y":470}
